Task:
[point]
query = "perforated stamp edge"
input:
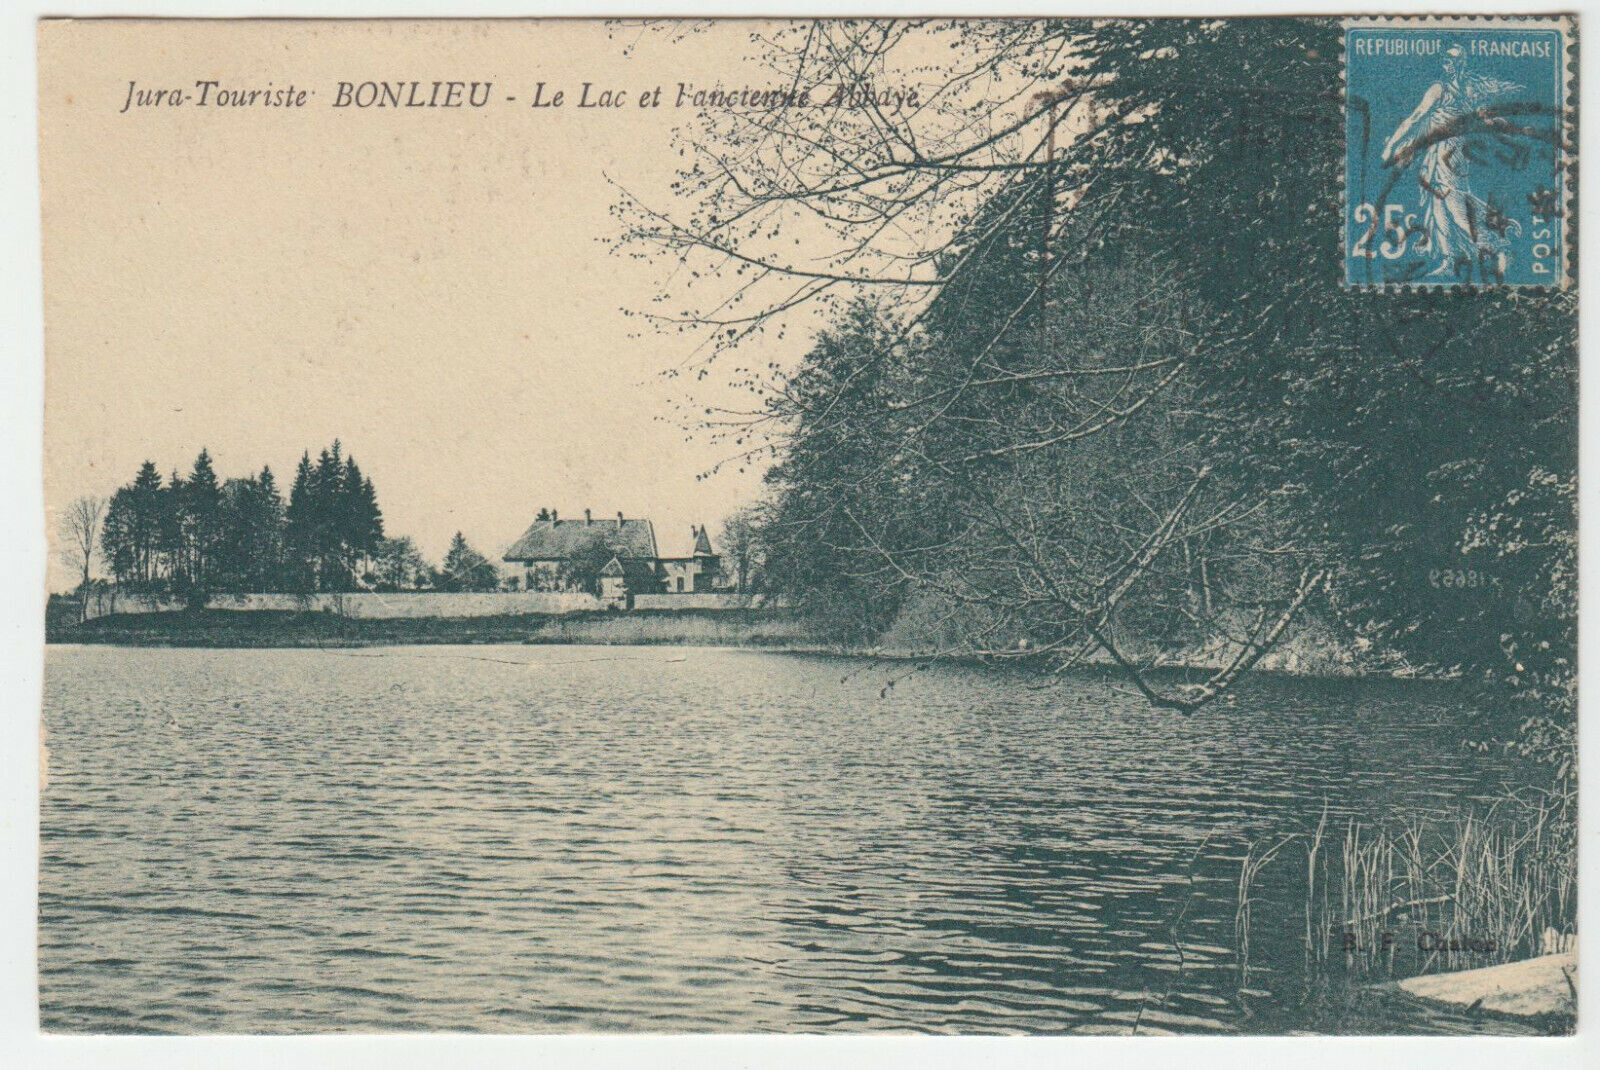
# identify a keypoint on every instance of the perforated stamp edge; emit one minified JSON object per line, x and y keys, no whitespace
{"x":1566,"y":166}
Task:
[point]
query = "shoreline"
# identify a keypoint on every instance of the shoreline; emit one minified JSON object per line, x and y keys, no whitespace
{"x":279,"y":629}
{"x":773,"y":631}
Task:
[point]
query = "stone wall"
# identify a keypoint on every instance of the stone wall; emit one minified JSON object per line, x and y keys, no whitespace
{"x":405,"y":604}
{"x":703,"y":600}
{"x":416,"y":604}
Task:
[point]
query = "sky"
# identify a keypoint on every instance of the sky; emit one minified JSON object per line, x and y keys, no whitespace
{"x":429,"y":286}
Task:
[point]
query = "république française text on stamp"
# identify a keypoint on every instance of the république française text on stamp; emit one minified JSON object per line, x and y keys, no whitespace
{"x":1456,"y":152}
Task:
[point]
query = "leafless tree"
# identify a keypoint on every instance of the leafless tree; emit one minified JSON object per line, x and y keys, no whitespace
{"x":1042,"y":396}
{"x":78,"y":529}
{"x":741,"y":546}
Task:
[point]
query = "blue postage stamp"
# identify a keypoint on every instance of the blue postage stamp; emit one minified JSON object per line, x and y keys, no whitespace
{"x":1456,"y":152}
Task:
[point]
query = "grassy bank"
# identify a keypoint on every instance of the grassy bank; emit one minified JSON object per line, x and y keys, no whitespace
{"x":271,"y":628}
{"x":758,"y":628}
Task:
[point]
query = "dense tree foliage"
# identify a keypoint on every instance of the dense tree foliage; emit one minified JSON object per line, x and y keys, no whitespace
{"x":333,"y":524}
{"x":1091,"y":379}
{"x":397,"y":565}
{"x":251,"y":551}
{"x":195,"y":535}
{"x":134,"y":536}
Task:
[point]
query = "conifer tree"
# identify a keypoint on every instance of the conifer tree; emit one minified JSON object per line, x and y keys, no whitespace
{"x":300,"y":537}
{"x":465,"y":569}
{"x":198,"y":534}
{"x":200,"y":524}
{"x":267,"y":567}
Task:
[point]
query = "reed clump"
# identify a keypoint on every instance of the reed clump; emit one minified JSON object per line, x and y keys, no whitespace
{"x":1419,"y":894}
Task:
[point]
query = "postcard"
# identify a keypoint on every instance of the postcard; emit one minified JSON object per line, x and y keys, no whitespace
{"x":817,"y":526}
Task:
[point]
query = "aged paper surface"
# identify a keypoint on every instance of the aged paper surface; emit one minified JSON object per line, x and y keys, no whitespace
{"x":977,"y":526}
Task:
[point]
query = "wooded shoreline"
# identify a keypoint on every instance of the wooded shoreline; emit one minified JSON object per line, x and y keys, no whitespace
{"x":775,"y":630}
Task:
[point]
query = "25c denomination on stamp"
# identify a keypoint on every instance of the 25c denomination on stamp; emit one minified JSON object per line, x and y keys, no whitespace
{"x":1456,"y":152}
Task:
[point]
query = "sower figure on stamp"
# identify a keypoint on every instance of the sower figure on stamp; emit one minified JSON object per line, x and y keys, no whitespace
{"x":1458,"y":227}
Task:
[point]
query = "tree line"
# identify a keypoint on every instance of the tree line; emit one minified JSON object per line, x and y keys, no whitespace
{"x":1101,"y":396}
{"x":194,"y":535}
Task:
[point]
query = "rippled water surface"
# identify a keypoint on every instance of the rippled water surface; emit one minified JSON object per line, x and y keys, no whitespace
{"x":545,"y":839}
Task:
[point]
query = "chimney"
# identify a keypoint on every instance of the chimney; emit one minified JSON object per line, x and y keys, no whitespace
{"x":619,"y":519}
{"x":587,"y":519}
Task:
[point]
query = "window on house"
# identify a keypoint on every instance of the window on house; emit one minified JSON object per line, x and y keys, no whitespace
{"x":680,"y":584}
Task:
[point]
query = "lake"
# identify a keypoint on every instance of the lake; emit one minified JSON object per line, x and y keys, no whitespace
{"x":662,"y":839}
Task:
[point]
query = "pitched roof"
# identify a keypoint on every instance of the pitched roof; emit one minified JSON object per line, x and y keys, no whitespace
{"x":702,"y":543}
{"x":551,"y":540}
{"x":640,"y":575}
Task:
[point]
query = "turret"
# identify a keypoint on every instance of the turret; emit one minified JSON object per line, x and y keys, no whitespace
{"x":702,"y":542}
